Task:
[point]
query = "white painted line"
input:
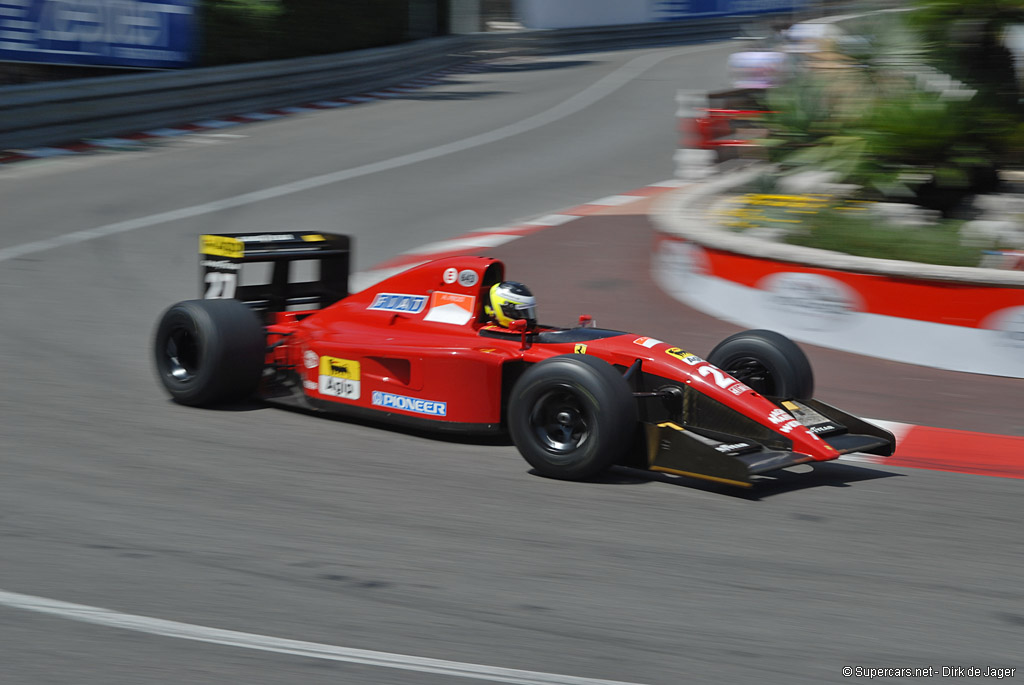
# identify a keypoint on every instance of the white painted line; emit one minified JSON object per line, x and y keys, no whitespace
{"x":462,"y":243}
{"x":266,"y":643}
{"x":671,"y":183}
{"x":364,"y":279}
{"x":552,"y":220}
{"x":616,"y":200}
{"x":577,"y":103}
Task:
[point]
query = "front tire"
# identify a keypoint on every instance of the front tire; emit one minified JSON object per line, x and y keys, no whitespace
{"x":209,"y":351}
{"x":572,"y":417}
{"x":768,"y":362}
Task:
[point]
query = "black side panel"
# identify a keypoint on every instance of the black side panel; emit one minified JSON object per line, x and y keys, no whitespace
{"x":693,"y":408}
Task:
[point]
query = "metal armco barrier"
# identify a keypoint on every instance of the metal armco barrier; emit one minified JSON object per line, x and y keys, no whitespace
{"x":49,"y":113}
{"x":64,"y":111}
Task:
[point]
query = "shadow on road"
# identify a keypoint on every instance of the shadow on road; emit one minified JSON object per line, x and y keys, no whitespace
{"x":829,"y":474}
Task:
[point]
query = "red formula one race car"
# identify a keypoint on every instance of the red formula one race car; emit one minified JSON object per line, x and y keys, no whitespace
{"x":424,"y":349}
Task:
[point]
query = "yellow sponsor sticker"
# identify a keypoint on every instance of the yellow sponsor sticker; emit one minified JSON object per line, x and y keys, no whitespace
{"x":339,"y":368}
{"x":313,"y":238}
{"x":681,"y":355}
{"x":339,"y":378}
{"x":221,"y":246}
{"x":580,"y":349}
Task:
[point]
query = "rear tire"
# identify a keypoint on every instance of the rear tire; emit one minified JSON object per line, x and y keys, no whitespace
{"x":209,"y":351}
{"x":768,"y":362}
{"x":572,"y":417}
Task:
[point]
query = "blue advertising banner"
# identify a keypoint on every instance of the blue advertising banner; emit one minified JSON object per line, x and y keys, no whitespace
{"x":125,"y":33}
{"x":558,"y":14}
{"x":677,"y":10}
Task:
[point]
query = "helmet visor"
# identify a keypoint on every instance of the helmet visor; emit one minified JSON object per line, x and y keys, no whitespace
{"x":520,"y":310}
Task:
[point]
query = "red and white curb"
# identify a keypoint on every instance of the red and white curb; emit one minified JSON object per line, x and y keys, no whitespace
{"x":923,"y":447}
{"x":946,"y":449}
{"x":483,"y":239}
{"x":133,"y":140}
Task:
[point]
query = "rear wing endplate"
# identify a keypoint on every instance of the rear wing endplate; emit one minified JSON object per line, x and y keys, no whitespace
{"x":298,"y":269}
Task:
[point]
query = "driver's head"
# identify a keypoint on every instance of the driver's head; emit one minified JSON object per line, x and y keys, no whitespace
{"x":508,"y":301}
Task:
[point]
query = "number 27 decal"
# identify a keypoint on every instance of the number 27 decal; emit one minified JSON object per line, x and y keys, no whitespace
{"x":220,"y":285}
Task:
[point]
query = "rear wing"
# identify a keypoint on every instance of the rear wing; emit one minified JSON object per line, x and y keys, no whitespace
{"x":282,"y":271}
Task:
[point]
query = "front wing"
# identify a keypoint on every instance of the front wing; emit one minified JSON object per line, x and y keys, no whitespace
{"x":737,"y":460}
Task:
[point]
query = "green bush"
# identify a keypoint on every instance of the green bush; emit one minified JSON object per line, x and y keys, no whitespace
{"x":865,"y":237}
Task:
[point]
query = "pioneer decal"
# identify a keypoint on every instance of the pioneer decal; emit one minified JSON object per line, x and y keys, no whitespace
{"x":411,"y":404}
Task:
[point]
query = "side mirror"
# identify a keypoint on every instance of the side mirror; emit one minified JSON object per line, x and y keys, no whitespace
{"x":586,"y":321}
{"x":522,"y":328}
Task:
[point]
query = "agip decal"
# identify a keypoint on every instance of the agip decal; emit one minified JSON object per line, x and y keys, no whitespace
{"x":339,"y":378}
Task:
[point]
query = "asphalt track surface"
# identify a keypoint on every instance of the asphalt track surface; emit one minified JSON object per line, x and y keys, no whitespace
{"x":287,"y":526}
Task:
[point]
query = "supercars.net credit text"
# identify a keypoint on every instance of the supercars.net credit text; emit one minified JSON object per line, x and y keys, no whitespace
{"x":930,"y":672}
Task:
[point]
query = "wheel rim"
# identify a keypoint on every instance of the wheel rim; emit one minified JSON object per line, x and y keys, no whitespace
{"x":754,"y":373}
{"x":181,"y":354}
{"x":560,"y":421}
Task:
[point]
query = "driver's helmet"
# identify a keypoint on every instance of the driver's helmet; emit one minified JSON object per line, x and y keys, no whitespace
{"x":510,"y":300}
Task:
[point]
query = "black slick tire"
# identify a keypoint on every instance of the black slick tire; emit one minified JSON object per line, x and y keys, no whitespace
{"x":768,"y":362}
{"x":572,"y":417}
{"x":209,"y":352}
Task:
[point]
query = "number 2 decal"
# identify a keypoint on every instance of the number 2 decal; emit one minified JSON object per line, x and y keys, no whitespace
{"x":220,"y":285}
{"x":721,"y":380}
